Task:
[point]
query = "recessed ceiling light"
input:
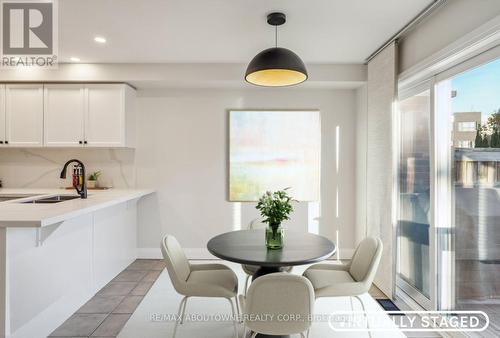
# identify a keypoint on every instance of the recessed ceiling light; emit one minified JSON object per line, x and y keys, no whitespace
{"x":100,"y":39}
{"x":74,"y":59}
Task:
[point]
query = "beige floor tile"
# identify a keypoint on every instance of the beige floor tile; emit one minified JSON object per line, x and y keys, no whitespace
{"x":117,"y":289}
{"x":111,"y":326}
{"x":141,"y":289}
{"x":151,"y":276}
{"x":130,"y":276}
{"x":143,"y":264}
{"x":79,"y":325}
{"x":159,"y":265}
{"x":128,"y":305}
{"x":101,"y":304}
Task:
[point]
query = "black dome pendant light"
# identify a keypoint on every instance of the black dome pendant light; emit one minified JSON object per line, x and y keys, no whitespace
{"x":276,"y":66}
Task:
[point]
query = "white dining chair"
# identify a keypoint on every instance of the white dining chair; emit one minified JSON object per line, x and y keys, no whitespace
{"x":275,"y":298}
{"x":198,"y":280}
{"x":250,"y":270}
{"x":348,"y":280}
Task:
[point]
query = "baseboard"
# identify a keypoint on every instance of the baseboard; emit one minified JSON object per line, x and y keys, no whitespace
{"x":202,"y":253}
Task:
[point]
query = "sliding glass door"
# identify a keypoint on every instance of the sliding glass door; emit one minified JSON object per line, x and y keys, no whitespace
{"x":413,"y":197}
{"x":469,"y":103}
{"x":448,"y":190}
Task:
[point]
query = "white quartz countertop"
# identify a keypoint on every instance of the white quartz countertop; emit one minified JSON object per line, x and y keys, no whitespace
{"x":14,"y":213}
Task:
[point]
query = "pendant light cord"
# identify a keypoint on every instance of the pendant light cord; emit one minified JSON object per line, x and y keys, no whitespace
{"x":276,"y":36}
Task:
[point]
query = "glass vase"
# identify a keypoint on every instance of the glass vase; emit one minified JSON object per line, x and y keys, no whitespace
{"x":275,"y":237}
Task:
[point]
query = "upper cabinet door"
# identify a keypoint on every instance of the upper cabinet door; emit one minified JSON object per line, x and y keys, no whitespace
{"x":64,"y":107}
{"x":24,"y":112}
{"x":2,"y":115}
{"x":105,"y":116}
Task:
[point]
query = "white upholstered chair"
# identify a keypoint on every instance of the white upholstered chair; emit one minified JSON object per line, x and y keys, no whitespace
{"x":198,"y":280}
{"x":280,"y":295}
{"x":350,"y":280}
{"x":251,"y":269}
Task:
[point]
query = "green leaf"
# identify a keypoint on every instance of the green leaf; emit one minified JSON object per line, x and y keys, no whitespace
{"x":275,"y":207}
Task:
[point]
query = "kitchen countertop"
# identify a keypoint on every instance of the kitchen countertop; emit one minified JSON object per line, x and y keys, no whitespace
{"x":16,"y":214}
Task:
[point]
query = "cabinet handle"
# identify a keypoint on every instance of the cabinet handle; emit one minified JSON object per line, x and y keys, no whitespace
{"x":6,"y":142}
{"x":85,"y":142}
{"x":80,"y":142}
{"x":1,"y":142}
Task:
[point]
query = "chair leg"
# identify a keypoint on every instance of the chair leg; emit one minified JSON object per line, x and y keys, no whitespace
{"x":175,"y":329}
{"x":179,"y":318}
{"x":238,"y":309}
{"x":181,"y":306}
{"x":254,"y":335}
{"x":183,"y":313}
{"x":234,"y":315}
{"x":246,"y":284}
{"x":364,"y":312}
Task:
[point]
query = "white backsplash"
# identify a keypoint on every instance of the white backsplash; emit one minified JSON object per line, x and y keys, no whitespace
{"x":40,"y":168}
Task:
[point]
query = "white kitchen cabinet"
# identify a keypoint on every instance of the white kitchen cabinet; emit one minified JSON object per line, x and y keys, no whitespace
{"x":67,"y":115}
{"x":109,"y":116}
{"x":2,"y":115}
{"x":24,"y":115}
{"x":64,"y":113}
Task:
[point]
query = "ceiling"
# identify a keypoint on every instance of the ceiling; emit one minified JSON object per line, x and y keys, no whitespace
{"x":227,"y":31}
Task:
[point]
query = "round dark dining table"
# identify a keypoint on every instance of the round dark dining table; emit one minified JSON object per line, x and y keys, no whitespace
{"x":249,"y":247}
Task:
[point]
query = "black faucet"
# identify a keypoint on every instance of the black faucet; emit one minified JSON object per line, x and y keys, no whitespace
{"x":83,"y":191}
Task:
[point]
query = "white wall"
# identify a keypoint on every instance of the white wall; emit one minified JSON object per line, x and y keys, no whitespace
{"x":182,"y":153}
{"x":447,"y":24}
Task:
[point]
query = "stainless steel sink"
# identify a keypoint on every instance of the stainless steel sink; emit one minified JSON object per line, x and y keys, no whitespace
{"x":53,"y":199}
{"x":8,"y":197}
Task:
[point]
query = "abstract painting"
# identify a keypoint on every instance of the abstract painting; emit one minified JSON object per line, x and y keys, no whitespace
{"x":273,"y":150}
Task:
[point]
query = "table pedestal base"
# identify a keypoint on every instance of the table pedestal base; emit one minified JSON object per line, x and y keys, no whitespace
{"x":265,"y":270}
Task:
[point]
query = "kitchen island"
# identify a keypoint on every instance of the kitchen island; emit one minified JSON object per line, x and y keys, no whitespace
{"x":57,"y":251}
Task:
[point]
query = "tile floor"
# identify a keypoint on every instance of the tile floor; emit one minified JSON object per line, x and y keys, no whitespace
{"x":107,"y":312}
{"x":151,"y":318}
